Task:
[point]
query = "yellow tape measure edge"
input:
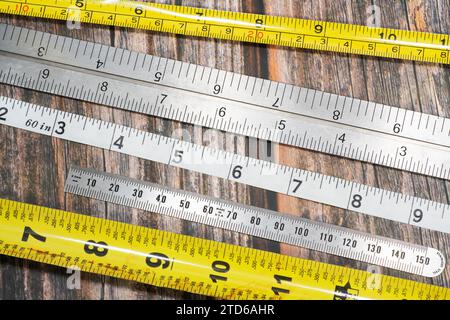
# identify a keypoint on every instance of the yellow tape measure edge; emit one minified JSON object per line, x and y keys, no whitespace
{"x":186,"y":263}
{"x":254,"y":28}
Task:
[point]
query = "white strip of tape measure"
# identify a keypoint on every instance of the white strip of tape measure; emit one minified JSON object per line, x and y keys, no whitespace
{"x":256,"y":222}
{"x":264,"y":109}
{"x":267,"y":175}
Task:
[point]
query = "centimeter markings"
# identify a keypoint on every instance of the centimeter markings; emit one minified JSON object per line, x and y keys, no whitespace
{"x":263,"y":174}
{"x":239,"y":104}
{"x":256,"y":222}
{"x":186,"y":263}
{"x":246,"y":27}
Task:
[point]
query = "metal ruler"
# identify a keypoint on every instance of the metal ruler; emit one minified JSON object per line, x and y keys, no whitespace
{"x":256,"y":222}
{"x":186,"y":263}
{"x":235,"y":103}
{"x":263,"y":174}
{"x":283,"y":31}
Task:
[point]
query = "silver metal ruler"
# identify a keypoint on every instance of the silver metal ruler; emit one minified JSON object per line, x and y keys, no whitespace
{"x":232,"y":102}
{"x":263,"y":174}
{"x":256,"y":222}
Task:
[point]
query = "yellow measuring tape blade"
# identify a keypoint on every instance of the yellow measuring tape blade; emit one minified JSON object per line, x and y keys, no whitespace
{"x":186,"y":263}
{"x":291,"y":32}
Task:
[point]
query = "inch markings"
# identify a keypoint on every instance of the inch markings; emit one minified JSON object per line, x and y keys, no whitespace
{"x":266,"y":175}
{"x":258,"y":222}
{"x":235,"y":103}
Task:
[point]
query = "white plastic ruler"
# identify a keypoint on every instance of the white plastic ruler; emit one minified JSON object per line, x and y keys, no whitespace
{"x":235,"y":103}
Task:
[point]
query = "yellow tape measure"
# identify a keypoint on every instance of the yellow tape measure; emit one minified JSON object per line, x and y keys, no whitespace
{"x":186,"y":263}
{"x":299,"y":33}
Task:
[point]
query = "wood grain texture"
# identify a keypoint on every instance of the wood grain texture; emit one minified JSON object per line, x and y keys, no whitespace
{"x":33,"y":167}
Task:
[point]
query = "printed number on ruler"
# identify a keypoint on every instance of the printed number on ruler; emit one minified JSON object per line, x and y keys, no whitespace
{"x":239,"y":104}
{"x":294,"y":182}
{"x":283,"y":31}
{"x":185,"y":263}
{"x":257,"y":222}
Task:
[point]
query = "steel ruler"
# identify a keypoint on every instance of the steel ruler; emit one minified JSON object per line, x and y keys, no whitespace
{"x":283,"y":31}
{"x":256,"y":222}
{"x":235,"y":103}
{"x":186,"y":263}
{"x":263,"y":174}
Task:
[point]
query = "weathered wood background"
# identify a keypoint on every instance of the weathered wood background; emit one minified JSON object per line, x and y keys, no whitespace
{"x":33,"y":167}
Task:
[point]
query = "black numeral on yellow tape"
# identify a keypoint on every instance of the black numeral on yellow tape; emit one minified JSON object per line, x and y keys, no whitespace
{"x":389,"y":37}
{"x":156,"y":260}
{"x":318,"y":28}
{"x":280,"y":279}
{"x":27,"y":232}
{"x":259,"y":23}
{"x":97,"y":248}
{"x":138,"y":10}
{"x":79,"y":3}
{"x":220,"y":267}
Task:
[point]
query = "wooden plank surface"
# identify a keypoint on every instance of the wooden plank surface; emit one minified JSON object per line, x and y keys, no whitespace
{"x":33,"y":167}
